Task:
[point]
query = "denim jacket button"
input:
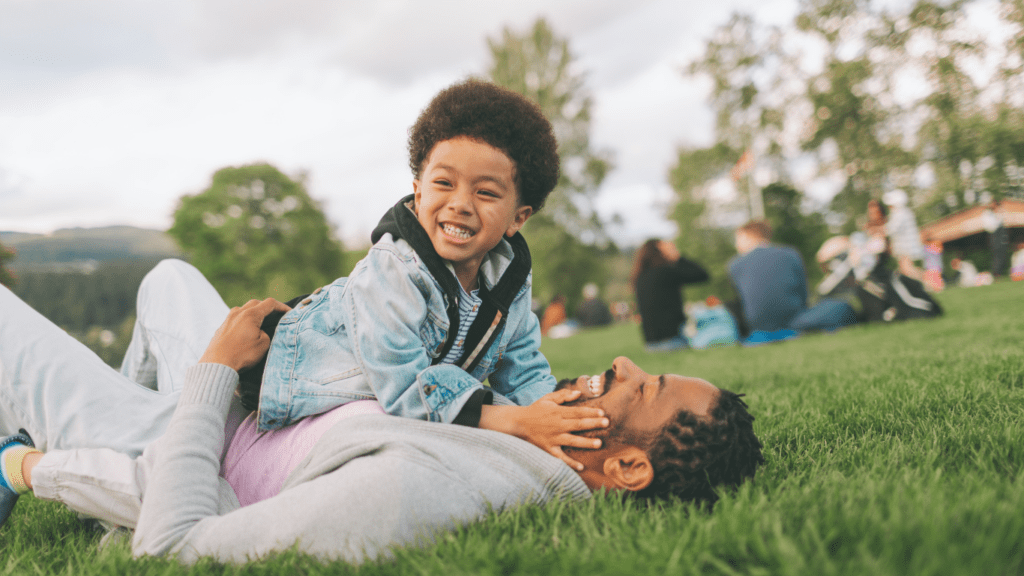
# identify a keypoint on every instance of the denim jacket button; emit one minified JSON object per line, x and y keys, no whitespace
{"x":429,"y":389}
{"x":317,"y":291}
{"x":307,"y":301}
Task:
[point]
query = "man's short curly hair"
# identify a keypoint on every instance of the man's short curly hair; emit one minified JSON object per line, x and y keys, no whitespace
{"x":500,"y":117}
{"x":692,"y":456}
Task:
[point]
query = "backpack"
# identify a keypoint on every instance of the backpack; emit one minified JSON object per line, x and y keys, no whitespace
{"x":890,"y":298}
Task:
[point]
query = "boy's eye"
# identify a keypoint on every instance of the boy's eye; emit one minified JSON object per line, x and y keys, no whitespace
{"x":442,"y":182}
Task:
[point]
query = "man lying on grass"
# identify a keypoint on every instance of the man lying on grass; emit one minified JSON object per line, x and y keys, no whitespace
{"x":373,"y":481}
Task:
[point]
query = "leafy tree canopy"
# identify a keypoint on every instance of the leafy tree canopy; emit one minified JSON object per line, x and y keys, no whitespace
{"x":256,"y":233}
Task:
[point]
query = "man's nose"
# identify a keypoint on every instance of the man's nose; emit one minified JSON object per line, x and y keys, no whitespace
{"x":624,"y":368}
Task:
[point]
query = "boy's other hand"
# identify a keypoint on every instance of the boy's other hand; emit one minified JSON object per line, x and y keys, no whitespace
{"x":548,"y":425}
{"x":239,"y":342}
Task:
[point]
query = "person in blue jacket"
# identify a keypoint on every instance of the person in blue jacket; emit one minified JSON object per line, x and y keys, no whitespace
{"x":772,"y":285}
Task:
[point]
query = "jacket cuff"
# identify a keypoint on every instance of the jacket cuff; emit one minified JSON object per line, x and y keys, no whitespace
{"x":444,"y":390}
{"x":470,"y":413}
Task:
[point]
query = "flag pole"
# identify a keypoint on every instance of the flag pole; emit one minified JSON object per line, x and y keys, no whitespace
{"x":756,"y":200}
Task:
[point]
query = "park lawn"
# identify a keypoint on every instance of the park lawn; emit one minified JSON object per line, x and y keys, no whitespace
{"x":891,"y":449}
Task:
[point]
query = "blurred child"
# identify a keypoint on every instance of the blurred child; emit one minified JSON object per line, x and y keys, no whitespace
{"x":933,"y":265}
{"x":711,"y":325}
{"x":1017,"y":263}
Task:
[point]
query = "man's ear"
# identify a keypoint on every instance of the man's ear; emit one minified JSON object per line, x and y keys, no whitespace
{"x":523,"y":214}
{"x":629,"y":468}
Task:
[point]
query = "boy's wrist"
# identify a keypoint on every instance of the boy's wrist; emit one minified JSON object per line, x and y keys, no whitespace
{"x":500,"y":419}
{"x":473,"y":408}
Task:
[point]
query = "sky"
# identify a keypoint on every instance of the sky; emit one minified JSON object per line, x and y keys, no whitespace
{"x":111,"y":110}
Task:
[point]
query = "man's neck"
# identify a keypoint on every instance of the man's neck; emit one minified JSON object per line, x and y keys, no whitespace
{"x":753,"y":247}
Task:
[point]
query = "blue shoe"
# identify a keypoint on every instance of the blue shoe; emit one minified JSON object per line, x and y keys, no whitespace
{"x":8,"y":497}
{"x":761,"y":337}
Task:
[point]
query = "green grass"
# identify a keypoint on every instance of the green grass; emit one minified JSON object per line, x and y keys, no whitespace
{"x":890,"y":450}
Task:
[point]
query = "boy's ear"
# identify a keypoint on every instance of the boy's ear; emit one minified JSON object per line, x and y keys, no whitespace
{"x":523,"y":214}
{"x":629,"y":468}
{"x":416,"y":195}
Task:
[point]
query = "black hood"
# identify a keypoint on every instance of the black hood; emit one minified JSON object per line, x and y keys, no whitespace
{"x":402,"y":223}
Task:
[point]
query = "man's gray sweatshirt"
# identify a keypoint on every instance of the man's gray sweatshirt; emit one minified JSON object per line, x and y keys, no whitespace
{"x":371,"y":482}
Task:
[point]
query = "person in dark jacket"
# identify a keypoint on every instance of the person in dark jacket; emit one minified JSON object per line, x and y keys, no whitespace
{"x":659,"y":273}
{"x":593,"y":311}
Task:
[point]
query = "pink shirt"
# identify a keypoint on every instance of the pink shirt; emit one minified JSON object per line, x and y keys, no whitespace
{"x":257,"y":463}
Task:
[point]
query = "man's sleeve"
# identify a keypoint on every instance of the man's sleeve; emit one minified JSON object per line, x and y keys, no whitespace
{"x":801,"y":274}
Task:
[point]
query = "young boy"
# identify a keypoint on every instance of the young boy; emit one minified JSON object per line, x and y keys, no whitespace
{"x":442,"y":300}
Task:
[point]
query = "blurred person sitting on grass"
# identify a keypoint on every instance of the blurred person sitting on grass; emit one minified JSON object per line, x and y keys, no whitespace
{"x":772,"y":286}
{"x":659,"y":274}
{"x":593,"y":311}
{"x":904,"y":236}
{"x":366,"y":483}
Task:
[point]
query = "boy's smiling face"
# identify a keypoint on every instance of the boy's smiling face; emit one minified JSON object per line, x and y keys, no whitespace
{"x":466,"y":199}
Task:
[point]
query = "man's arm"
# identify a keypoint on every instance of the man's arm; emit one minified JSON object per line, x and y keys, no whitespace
{"x":184,"y":488}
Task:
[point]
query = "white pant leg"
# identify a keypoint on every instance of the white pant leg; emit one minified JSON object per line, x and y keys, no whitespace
{"x":97,"y":482}
{"x":103,"y":484}
{"x":177,"y":312}
{"x":63,"y":394}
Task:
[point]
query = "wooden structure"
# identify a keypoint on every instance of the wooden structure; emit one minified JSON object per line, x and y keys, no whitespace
{"x":966,"y":228}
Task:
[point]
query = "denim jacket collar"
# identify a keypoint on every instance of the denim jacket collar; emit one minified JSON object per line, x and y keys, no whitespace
{"x":402,"y":223}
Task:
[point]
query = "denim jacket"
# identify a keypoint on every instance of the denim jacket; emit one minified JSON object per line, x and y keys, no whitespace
{"x":378,"y":334}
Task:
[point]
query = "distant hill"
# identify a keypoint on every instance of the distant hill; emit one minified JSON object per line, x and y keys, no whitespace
{"x":85,"y":248}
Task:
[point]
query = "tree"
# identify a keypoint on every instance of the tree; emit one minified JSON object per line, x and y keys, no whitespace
{"x":256,"y":233}
{"x":566,"y":239}
{"x":538,"y":65}
{"x":6,"y":276}
{"x":700,"y":239}
{"x":790,"y":226}
{"x":892,"y":97}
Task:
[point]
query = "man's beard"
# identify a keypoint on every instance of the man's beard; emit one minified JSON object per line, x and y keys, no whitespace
{"x":609,"y":378}
{"x":616,"y":431}
{"x":565,"y":383}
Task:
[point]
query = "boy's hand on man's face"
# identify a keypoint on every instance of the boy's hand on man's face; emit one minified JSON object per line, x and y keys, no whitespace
{"x":549,"y":425}
{"x":239,"y":342}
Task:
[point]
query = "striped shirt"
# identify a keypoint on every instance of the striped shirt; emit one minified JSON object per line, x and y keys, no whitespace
{"x":469,"y":305}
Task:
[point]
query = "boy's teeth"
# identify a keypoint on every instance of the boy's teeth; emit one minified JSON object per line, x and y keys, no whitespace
{"x":457,"y":232}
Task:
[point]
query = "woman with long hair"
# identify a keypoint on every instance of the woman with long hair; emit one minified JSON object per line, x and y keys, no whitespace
{"x":659,"y":273}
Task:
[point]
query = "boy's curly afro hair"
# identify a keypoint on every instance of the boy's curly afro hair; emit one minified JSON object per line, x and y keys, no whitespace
{"x":692,"y":458}
{"x":500,"y":117}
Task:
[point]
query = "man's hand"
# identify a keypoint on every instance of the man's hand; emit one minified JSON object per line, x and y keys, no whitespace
{"x":239,"y":342}
{"x":548,"y":425}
